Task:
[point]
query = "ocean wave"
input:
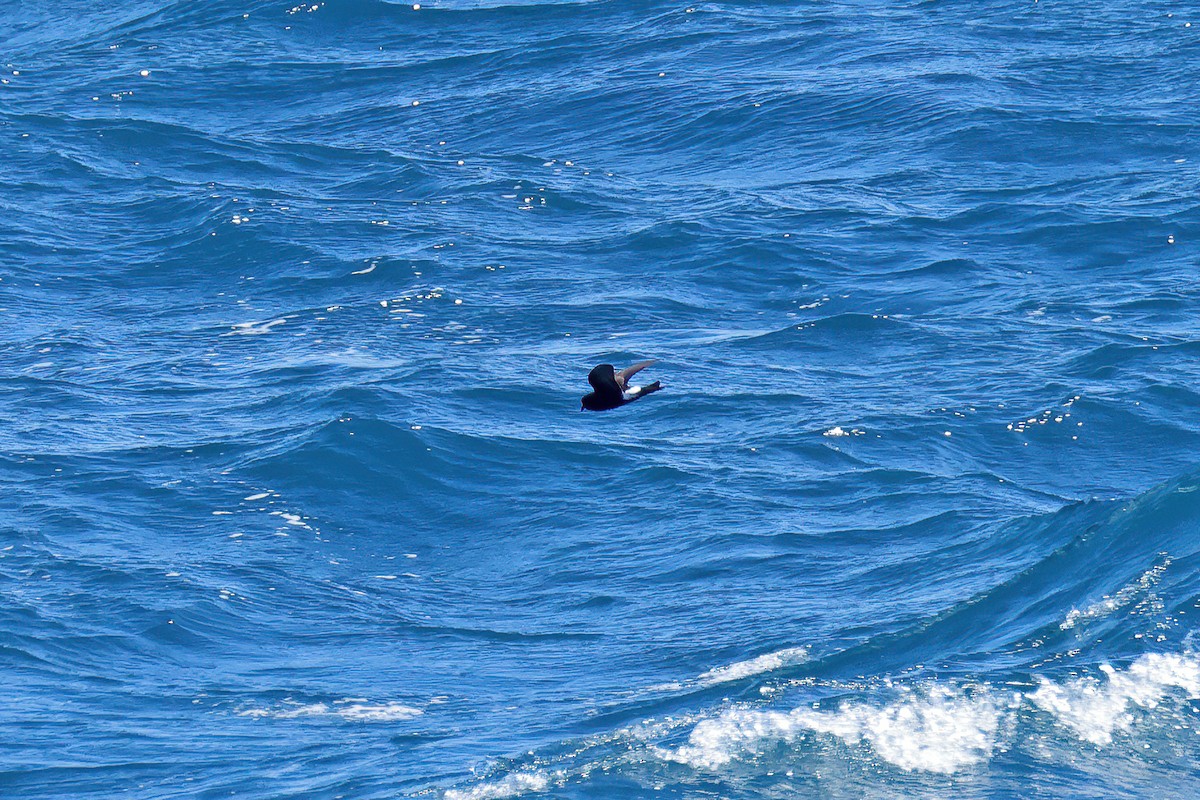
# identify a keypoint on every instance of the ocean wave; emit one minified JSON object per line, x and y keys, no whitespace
{"x":739,"y":670}
{"x":350,"y":710}
{"x":514,"y":785}
{"x":753,"y":666}
{"x":876,"y":701}
{"x":1095,"y":709}
{"x":935,"y":729}
{"x":944,"y":728}
{"x":922,"y":727}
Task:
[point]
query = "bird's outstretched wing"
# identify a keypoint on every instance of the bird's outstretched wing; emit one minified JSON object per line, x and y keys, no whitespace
{"x":624,"y":375}
{"x":604,"y":380}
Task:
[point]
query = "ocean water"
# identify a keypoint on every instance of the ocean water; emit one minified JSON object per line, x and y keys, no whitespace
{"x":296,"y":308}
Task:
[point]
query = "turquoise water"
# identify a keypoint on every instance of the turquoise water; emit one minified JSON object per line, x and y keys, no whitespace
{"x":298,"y":304}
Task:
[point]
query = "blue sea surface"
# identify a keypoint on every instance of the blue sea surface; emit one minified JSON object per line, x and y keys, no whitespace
{"x":297,"y":303}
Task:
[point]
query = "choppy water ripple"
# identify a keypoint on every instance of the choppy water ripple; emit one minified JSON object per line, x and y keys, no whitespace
{"x":298,"y":299}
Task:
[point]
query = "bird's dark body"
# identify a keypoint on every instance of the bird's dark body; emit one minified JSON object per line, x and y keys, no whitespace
{"x":610,"y":389}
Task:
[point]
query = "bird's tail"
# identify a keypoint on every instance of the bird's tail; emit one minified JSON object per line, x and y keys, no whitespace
{"x":649,"y":388}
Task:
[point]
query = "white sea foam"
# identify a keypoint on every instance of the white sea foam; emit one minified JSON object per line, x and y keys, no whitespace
{"x":1095,"y":709}
{"x":353,"y":710}
{"x":838,"y":431}
{"x":508,"y":786}
{"x":739,"y":669}
{"x":254,"y":328}
{"x":933,"y":727}
{"x":938,"y":729}
{"x":754,"y":666}
{"x":292,"y":519}
{"x":383,"y":712}
{"x":943,"y":728}
{"x":1123,"y":597}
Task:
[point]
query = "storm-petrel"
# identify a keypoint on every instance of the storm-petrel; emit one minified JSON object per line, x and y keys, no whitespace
{"x":612,"y":389}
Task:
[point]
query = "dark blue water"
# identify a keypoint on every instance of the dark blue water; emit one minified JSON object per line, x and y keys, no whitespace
{"x":297,"y":305}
